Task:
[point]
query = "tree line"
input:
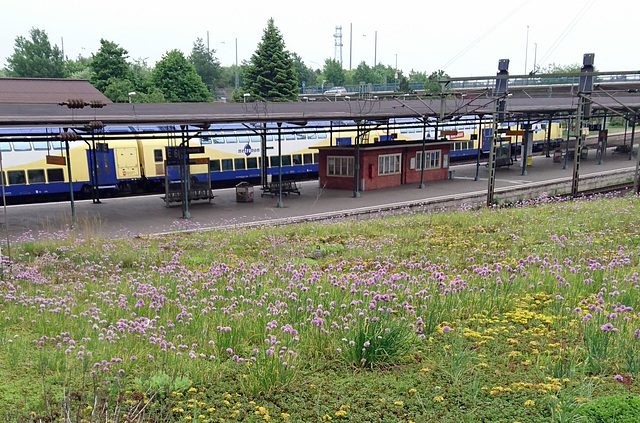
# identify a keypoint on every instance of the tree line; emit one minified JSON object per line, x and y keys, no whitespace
{"x":271,"y":74}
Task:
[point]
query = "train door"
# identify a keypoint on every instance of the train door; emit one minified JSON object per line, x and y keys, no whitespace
{"x":487,"y":135}
{"x":105,"y":167}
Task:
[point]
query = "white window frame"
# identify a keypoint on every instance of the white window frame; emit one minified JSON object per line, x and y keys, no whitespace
{"x":433,"y":161}
{"x":389,"y":164}
{"x":340,"y":166}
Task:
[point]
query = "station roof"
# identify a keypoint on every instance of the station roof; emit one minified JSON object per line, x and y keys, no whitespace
{"x":47,"y":91}
{"x":206,"y":114}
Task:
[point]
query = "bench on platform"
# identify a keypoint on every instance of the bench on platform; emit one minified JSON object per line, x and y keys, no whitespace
{"x":273,"y":188}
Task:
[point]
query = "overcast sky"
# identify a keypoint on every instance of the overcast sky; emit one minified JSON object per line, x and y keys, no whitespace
{"x":463,"y":37}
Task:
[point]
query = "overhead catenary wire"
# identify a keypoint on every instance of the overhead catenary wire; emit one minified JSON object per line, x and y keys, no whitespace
{"x":483,"y":36}
{"x":567,"y":30}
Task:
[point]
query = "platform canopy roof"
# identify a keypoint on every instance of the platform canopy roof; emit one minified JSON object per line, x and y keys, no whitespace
{"x":206,"y":114}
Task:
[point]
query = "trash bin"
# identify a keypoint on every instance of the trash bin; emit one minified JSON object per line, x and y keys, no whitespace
{"x":557,"y":156}
{"x":244,"y":192}
{"x":529,"y":160}
{"x":585,"y":153}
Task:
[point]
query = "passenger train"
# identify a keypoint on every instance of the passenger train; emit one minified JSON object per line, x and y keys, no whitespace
{"x":34,"y":163}
{"x":465,"y":135}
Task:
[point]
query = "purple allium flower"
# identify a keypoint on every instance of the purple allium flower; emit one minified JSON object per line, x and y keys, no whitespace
{"x":134,"y":358}
{"x":446,"y":329}
{"x":619,"y":378}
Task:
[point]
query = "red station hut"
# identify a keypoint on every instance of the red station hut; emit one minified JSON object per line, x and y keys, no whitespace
{"x":382,"y":165}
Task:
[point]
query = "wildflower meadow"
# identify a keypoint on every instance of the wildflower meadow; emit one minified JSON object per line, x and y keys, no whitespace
{"x":528,"y":313}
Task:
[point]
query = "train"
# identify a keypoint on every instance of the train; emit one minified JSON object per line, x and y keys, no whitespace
{"x":35,"y":164}
{"x":469,"y":134}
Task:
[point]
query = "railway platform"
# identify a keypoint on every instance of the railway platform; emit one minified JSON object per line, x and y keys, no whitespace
{"x":147,"y":215}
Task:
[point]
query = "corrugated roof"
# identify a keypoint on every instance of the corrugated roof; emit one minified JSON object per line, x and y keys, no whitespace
{"x":47,"y":91}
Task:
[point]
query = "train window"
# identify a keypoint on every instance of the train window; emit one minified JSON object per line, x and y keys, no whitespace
{"x":297,"y":159}
{"x":157,"y":155}
{"x":16,"y":177}
{"x":255,"y":138}
{"x":286,"y":160}
{"x":316,"y":157}
{"x":36,"y":176}
{"x":308,"y":158}
{"x":214,"y":165}
{"x":252,"y":162}
{"x":205,"y":140}
{"x":5,"y":146}
{"x":55,"y":175}
{"x":21,"y":146}
{"x":57,"y":145}
{"x":244,"y":139}
{"x":40,"y":145}
{"x":301,"y":136}
{"x":231,"y":139}
{"x":218,"y":140}
{"x":275,"y":161}
{"x":312,"y":135}
{"x":289,"y":137}
{"x":322,"y":135}
{"x":227,"y":164}
{"x":269,"y":137}
{"x":239,"y":164}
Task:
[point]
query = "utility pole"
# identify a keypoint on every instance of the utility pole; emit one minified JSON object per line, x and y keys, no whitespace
{"x":585,"y":87}
{"x":500,"y":105}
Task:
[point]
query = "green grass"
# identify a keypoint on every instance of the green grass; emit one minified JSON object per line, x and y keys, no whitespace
{"x":522,"y":314}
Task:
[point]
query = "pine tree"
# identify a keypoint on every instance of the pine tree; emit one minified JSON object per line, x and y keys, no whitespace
{"x":271,"y":75}
{"x":109,"y":63}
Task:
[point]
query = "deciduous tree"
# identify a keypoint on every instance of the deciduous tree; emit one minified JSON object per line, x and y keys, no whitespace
{"x":178,"y":79}
{"x":271,"y":75}
{"x":36,"y":58}
{"x":333,"y":72}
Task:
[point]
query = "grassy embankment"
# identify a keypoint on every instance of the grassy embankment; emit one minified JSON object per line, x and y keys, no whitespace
{"x":524,"y":314}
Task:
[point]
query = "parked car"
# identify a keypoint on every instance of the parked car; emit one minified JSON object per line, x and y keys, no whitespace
{"x":336,"y":90}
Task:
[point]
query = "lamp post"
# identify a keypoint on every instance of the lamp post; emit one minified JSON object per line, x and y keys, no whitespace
{"x":245,"y":95}
{"x":130,"y":94}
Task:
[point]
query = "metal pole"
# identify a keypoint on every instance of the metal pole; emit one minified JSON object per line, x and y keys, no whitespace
{"x":525,"y":143}
{"x":492,"y":155}
{"x":185,"y":174}
{"x":96,"y":194}
{"x":602,"y":138}
{"x":633,"y":131}
{"x":549,"y":137}
{"x":635,"y":178}
{"x":584,"y":113}
{"x":424,"y":141}
{"x":4,"y":205}
{"x":566,"y":152}
{"x":280,"y":203}
{"x":73,"y":206}
{"x":479,"y":150}
{"x":580,"y":119}
{"x":356,"y":192}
